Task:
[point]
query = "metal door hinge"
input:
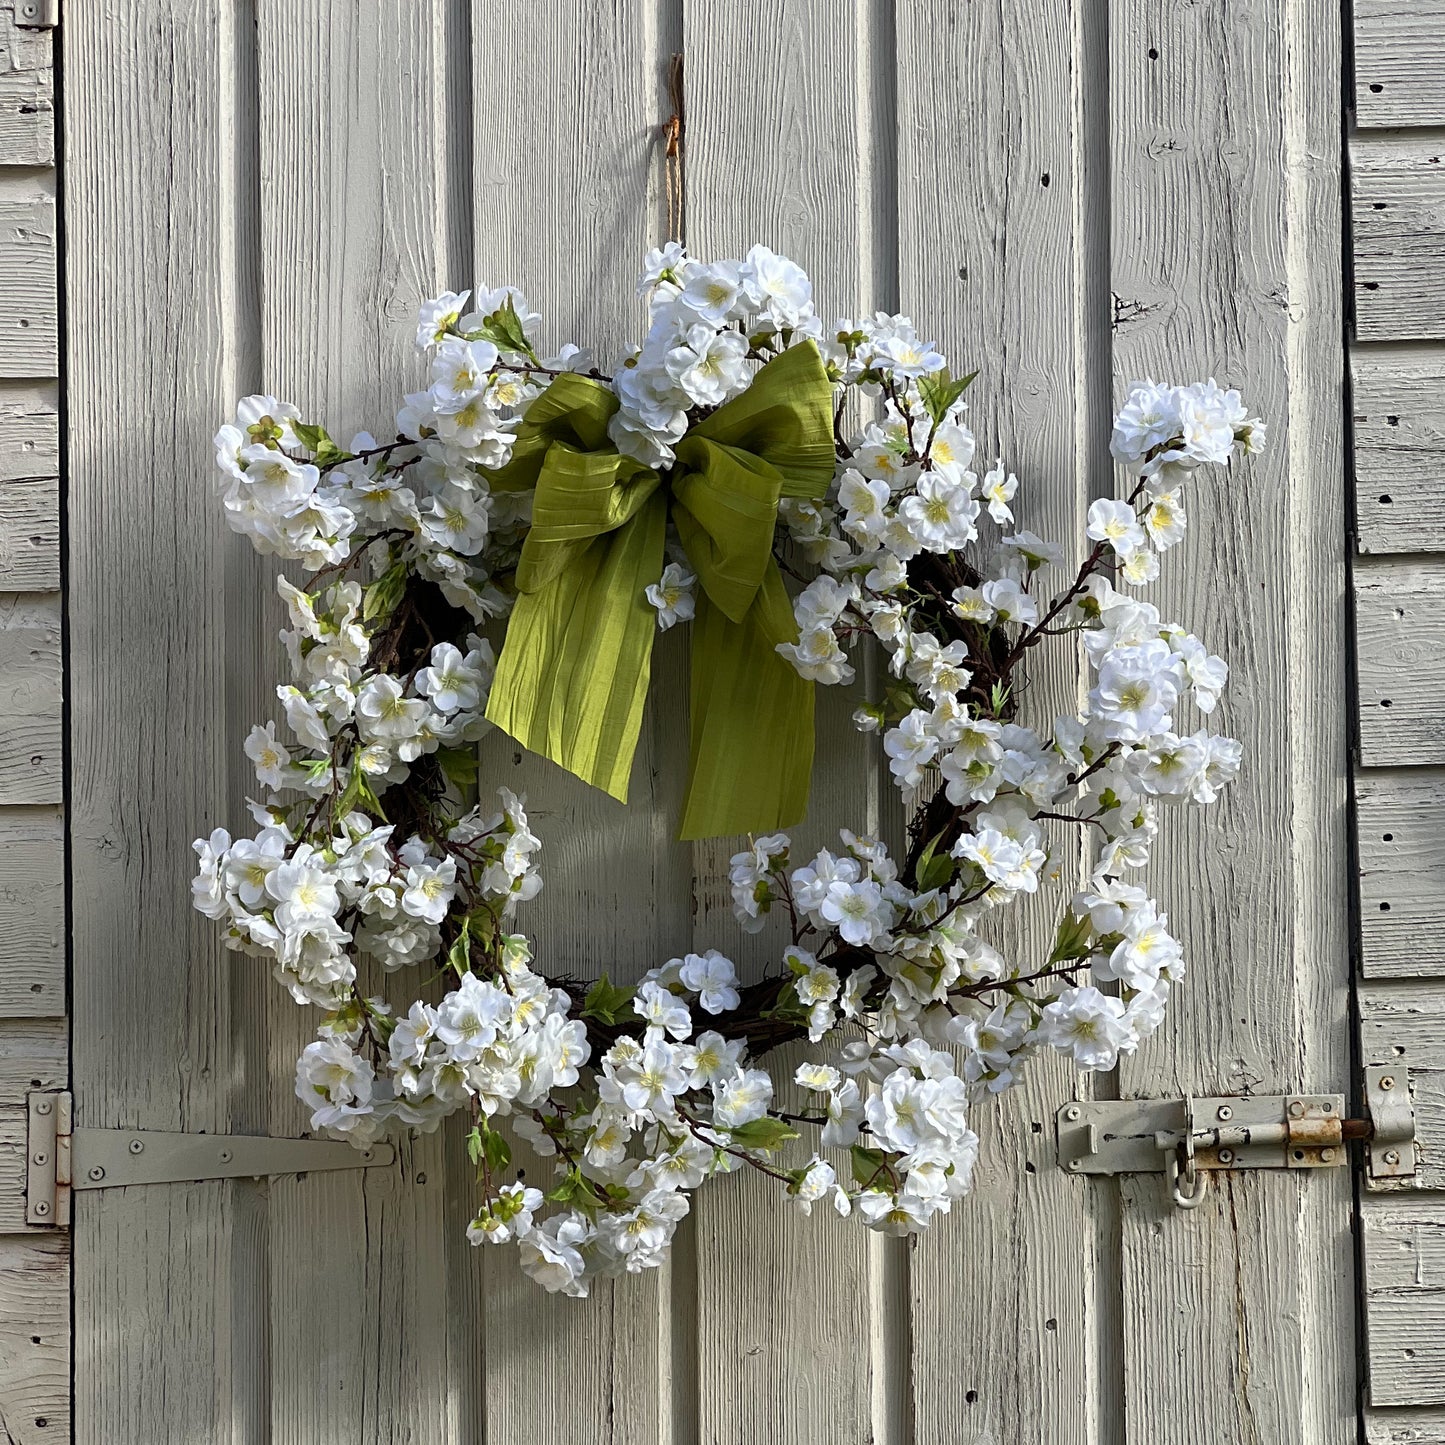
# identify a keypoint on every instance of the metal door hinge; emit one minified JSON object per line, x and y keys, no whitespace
{"x":37,"y":14}
{"x":60,"y":1158}
{"x":1186,"y":1139}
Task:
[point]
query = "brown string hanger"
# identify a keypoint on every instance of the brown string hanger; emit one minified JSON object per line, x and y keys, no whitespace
{"x":673,"y":157}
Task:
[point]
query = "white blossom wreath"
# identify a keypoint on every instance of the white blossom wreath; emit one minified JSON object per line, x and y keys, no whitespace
{"x":367,"y":845}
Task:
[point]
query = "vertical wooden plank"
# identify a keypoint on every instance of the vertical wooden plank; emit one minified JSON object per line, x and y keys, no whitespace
{"x":1225,"y":245}
{"x":615,"y":897}
{"x":797,"y":165}
{"x":154,"y":222}
{"x":35,"y":1347}
{"x":358,"y":206}
{"x":1002,"y":241}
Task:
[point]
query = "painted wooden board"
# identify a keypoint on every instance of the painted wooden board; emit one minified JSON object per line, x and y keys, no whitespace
{"x":1008,"y":1332}
{"x":1403,"y":1249}
{"x":341,"y":280}
{"x":617,"y":890}
{"x":1224,"y":210}
{"x":27,"y":104}
{"x":803,"y":168}
{"x":1400,"y":820}
{"x":1404,"y":1024}
{"x":1399,"y":65}
{"x":1399,"y":451}
{"x":27,"y":275}
{"x":35,"y":1338}
{"x":1397,"y":210}
{"x":160,"y":227}
{"x":32,"y":914}
{"x":30,"y":721}
{"x":1404,"y":1427}
{"x":1400,"y":662}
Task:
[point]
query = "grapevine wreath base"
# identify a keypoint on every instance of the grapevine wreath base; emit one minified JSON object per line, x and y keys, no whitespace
{"x":507,"y":558}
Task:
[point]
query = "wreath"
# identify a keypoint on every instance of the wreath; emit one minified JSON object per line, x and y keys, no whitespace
{"x":506,"y":560}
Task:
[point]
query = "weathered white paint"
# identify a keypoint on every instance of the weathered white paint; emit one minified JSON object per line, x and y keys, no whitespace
{"x":1399,"y":79}
{"x":1400,"y":664}
{"x":1399,"y":413}
{"x":255,"y":229}
{"x":1224,"y":261}
{"x":1397,"y":209}
{"x":34,"y":1267}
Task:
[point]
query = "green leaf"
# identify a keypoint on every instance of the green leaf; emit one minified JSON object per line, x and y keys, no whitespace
{"x":496,"y":1150}
{"x":459,"y":764}
{"x":940,"y":391}
{"x":380,"y":598}
{"x":503,"y":328}
{"x":867,"y":1163}
{"x":1074,"y":939}
{"x":318,"y":442}
{"x":935,"y":870}
{"x":607,"y":1002}
{"x":459,"y":956}
{"x":765,"y":1134}
{"x":937,"y":874}
{"x":788,"y":1006}
{"x":474,"y":1145}
{"x":575,"y":1188}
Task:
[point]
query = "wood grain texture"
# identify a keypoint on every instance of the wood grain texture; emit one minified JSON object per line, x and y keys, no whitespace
{"x":1400,"y":662}
{"x":804,"y":168}
{"x":1009,"y":1334}
{"x":618,"y":886}
{"x":28,"y":325}
{"x":1397,"y":210}
{"x":35,"y":1339}
{"x":341,"y":278}
{"x":27,"y":94}
{"x":1404,"y":1427}
{"x":1399,"y":446}
{"x":1400,"y":823}
{"x":30,"y":535}
{"x":1403,"y":1247}
{"x":1404,"y":1024}
{"x":32,"y":914}
{"x":1399,"y":74}
{"x":29,"y":430}
{"x":155,"y":131}
{"x":30,"y":719}
{"x":1225,"y":223}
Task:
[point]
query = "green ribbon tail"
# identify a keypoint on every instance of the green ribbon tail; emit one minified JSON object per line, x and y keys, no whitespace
{"x":573,"y":675}
{"x":752,"y":720}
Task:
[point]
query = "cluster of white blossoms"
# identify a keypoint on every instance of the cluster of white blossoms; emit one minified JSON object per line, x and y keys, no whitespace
{"x":370,"y":856}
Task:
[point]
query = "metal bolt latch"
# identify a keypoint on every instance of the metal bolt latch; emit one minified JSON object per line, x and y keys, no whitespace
{"x":1187,"y":1139}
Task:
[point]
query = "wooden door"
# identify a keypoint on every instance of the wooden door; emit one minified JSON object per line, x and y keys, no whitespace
{"x":1067,"y":194}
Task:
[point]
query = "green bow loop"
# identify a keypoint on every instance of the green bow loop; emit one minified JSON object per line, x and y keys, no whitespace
{"x":575,"y":666}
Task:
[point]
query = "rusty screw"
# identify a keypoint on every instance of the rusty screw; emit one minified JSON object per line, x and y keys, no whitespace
{"x":1387,"y":1082}
{"x":1326,"y":1155}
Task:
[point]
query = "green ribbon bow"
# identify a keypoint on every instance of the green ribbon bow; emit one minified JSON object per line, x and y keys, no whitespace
{"x":575,"y":666}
